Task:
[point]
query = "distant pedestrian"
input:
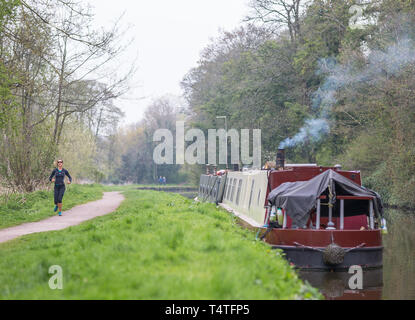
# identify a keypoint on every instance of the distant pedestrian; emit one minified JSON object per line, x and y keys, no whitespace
{"x":160,"y":180}
{"x":164,"y":180}
{"x":58,"y":177}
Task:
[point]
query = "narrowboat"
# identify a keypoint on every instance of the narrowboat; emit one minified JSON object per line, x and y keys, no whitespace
{"x":322,"y":218}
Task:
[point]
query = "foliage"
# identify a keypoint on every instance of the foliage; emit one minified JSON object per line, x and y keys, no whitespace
{"x":128,"y":152}
{"x":51,"y":76}
{"x":78,"y":150}
{"x":357,"y":80}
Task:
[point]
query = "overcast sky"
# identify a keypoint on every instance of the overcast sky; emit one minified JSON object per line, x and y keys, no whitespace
{"x":169,"y":36}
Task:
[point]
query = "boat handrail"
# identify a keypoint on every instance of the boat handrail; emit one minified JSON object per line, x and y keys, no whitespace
{"x":349,"y":197}
{"x":342,"y":199}
{"x":302,"y":165}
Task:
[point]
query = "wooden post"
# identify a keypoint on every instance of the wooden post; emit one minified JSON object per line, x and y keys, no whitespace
{"x":330,"y":224}
{"x":318,"y":214}
{"x":284,"y":224}
{"x":372,"y":220}
{"x":268,"y":213}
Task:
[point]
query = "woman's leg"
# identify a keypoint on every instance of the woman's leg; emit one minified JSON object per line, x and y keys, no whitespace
{"x":56,"y":195}
{"x":60,"y":197}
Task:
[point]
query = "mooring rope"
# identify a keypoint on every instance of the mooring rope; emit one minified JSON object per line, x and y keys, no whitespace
{"x":322,"y":250}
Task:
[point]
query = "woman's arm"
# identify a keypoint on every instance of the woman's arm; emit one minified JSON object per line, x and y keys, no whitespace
{"x":69,"y":176}
{"x":52,"y":174}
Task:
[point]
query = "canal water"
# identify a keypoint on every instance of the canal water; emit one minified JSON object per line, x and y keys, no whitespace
{"x":396,"y":280}
{"x":399,"y":256}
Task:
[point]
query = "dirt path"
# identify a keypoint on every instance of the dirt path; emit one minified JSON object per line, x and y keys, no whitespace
{"x":72,"y":217}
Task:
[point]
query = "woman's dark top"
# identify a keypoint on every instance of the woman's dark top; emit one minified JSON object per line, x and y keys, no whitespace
{"x":60,"y":176}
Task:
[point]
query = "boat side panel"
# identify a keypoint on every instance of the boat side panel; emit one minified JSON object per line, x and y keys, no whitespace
{"x":322,"y":238}
{"x":252,"y":193}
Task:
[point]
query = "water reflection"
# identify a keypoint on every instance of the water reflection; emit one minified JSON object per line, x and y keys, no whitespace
{"x":399,"y":256}
{"x":395,"y":281}
{"x":335,"y":285}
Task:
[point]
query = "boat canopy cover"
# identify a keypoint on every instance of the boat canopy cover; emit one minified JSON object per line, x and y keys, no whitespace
{"x":299,"y":198}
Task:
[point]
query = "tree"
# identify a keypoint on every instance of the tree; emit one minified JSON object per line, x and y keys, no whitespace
{"x":79,"y":61}
{"x":54,"y":70}
{"x":279,"y":13}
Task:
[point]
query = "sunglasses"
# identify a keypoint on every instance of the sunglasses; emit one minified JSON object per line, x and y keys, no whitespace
{"x":60,"y":161}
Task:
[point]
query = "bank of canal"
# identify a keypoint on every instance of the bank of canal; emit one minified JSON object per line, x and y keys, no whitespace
{"x":394,"y":281}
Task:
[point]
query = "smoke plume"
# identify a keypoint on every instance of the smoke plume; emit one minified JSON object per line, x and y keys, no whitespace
{"x":379,"y":64}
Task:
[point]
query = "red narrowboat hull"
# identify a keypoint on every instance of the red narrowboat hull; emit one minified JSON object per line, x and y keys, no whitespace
{"x":305,"y":248}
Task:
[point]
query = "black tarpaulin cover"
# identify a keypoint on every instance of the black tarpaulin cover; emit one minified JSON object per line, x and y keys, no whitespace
{"x":299,"y":198}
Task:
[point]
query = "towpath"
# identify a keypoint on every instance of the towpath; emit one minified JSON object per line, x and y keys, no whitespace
{"x":109,"y":203}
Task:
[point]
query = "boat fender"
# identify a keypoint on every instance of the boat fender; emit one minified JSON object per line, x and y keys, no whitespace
{"x":280,"y":216}
{"x":384,"y":227}
{"x":333,"y":254}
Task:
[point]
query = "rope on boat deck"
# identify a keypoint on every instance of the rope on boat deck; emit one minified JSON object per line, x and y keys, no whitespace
{"x":333,"y":254}
{"x":322,"y":250}
{"x":272,"y":225}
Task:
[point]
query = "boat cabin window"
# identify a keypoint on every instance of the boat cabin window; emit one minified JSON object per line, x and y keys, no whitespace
{"x":252,"y":191}
{"x":232,"y":189}
{"x":224,"y":191}
{"x":259,"y":197}
{"x":239,"y":191}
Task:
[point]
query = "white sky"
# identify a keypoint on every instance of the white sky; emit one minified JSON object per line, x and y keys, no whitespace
{"x":169,"y":36}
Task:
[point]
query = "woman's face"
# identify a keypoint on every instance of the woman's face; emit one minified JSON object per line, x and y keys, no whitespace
{"x":60,"y":163}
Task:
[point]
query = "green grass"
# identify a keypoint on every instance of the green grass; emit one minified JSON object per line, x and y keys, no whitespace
{"x":155,"y":246}
{"x":135,"y":186}
{"x":20,"y":208}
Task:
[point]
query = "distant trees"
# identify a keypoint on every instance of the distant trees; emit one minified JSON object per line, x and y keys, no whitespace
{"x":280,"y":14}
{"x":307,"y":61}
{"x":249,"y":76}
{"x":129,"y":151}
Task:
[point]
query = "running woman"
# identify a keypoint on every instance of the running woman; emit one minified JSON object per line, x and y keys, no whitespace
{"x":58,"y":176}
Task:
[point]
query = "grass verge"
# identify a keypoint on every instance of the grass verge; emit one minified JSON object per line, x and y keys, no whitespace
{"x":30,"y":207}
{"x":155,"y":246}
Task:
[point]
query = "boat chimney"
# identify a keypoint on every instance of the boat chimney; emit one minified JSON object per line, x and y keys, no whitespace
{"x":280,"y":163}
